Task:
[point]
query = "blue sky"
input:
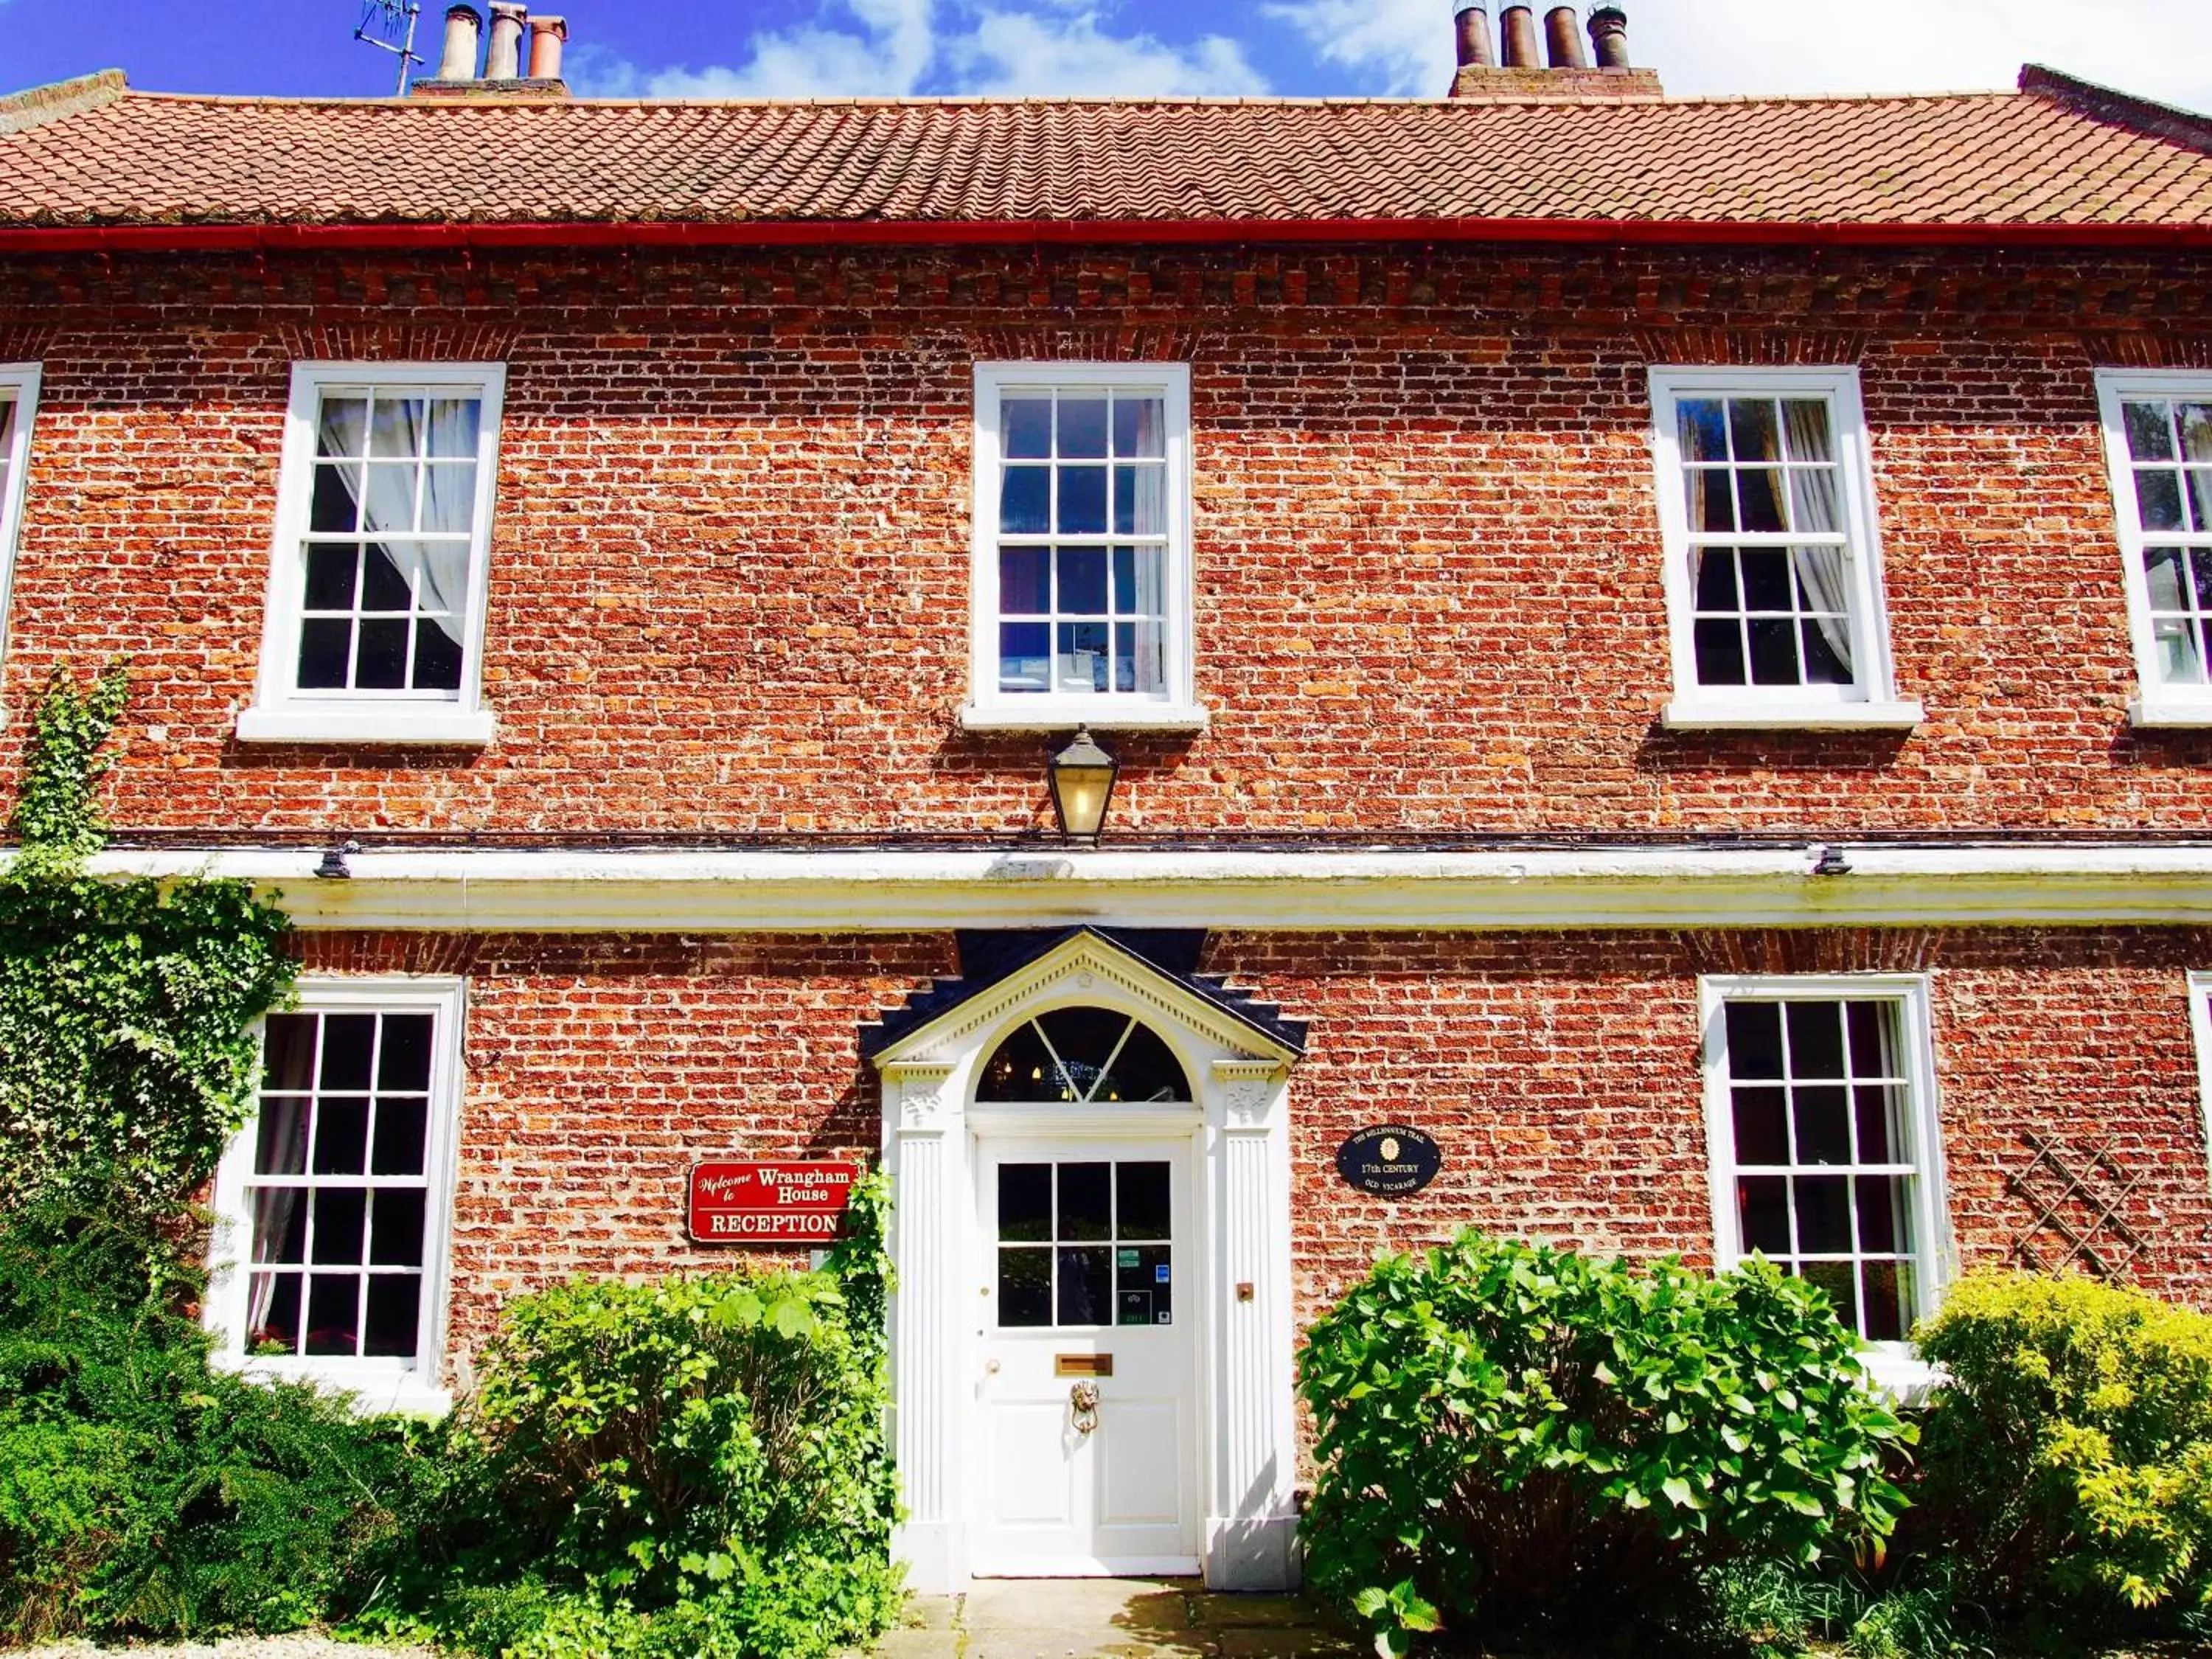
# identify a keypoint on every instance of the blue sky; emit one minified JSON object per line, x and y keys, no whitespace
{"x":798,"y":47}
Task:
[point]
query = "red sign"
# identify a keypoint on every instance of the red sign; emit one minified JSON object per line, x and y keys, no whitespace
{"x":796,"y":1203}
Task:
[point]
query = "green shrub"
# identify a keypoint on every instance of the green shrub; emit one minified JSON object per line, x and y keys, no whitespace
{"x":1513,"y":1436}
{"x":695,"y":1467}
{"x":2067,"y":1463}
{"x":142,"y":1494}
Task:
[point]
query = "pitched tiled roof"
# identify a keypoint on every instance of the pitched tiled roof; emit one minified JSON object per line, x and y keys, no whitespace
{"x":2057,"y":155}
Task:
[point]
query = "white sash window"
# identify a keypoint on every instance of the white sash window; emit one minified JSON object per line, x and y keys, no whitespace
{"x":2158,"y":440}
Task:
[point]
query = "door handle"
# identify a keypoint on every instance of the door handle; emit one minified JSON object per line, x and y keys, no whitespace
{"x":1083,"y":1401}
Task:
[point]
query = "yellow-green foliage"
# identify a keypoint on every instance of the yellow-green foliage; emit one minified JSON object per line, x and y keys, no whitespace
{"x":2069,"y":1459}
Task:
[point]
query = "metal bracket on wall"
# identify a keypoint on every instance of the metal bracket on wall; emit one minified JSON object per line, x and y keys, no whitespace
{"x":2078,"y":1198}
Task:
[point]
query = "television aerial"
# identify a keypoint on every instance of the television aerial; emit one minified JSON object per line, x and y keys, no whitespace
{"x":390,"y":26}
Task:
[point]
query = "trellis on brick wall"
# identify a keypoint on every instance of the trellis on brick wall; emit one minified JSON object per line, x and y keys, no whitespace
{"x":2056,"y":1177}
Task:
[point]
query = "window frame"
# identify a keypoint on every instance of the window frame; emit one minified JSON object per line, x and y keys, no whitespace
{"x":1894,"y":1365}
{"x":2156,"y":704}
{"x":377,"y":1384}
{"x":24,"y":381}
{"x":281,"y":712}
{"x":1871,"y":700}
{"x":987,"y":708}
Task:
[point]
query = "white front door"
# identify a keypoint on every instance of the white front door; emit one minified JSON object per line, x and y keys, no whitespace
{"x":1086,"y":1263}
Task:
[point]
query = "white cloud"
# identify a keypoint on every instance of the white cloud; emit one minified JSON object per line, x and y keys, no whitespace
{"x":891,"y":48}
{"x":2152,"y":47}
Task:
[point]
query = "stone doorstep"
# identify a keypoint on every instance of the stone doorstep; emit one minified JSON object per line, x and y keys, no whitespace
{"x":1113,"y":1618}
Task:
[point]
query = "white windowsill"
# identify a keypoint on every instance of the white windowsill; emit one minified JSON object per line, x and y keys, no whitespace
{"x":2170,"y":713}
{"x":1058,"y":715}
{"x":428,"y":724}
{"x":397,"y":1392}
{"x":1901,"y":1373}
{"x":1735,"y":714}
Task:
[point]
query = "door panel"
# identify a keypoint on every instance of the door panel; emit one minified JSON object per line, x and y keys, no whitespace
{"x":1088,"y":1347}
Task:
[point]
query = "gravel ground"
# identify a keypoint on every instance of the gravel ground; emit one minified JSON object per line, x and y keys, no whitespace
{"x":244,"y":1647}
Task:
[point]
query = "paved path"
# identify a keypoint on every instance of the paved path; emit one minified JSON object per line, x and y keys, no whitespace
{"x":1113,"y":1618}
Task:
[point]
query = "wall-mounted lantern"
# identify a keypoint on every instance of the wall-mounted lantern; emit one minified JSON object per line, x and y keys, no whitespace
{"x":1082,"y":777}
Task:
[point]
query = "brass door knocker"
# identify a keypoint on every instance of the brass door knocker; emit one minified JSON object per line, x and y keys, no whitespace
{"x":1083,"y":1399}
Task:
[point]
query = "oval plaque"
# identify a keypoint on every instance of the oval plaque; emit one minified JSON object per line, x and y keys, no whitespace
{"x":1390,"y":1160}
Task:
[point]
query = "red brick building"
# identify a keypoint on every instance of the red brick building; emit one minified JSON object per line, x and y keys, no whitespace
{"x":1659,"y":644}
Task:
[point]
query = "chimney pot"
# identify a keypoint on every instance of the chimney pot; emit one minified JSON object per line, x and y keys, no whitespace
{"x":463,"y":29}
{"x":504,"y":60}
{"x":546,"y":34}
{"x":1518,"y":21}
{"x":1608,"y":32}
{"x":1472,"y":25}
{"x":1563,"y":38}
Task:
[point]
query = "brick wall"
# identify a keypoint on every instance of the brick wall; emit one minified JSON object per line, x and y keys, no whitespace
{"x":730,"y":585}
{"x":1560,"y":1071}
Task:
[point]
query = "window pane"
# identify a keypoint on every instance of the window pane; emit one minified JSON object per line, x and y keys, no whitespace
{"x":336,"y":508}
{"x":454,"y":425}
{"x":1751,"y":425}
{"x":1025,"y":500}
{"x":1024,"y":581}
{"x":324,"y":650}
{"x":1770,"y":581}
{"x":288,"y":1052}
{"x":1148,"y":663}
{"x":1140,"y":500}
{"x":1754,"y":1040}
{"x":1816,"y":1040}
{"x":1086,"y":1284}
{"x":341,"y":1136}
{"x":1869,"y":1023}
{"x":389,"y":505}
{"x":402,"y":1135}
{"x":2199,"y":484}
{"x":1082,"y":580}
{"x":1141,"y":1196}
{"x":381,"y":664}
{"x":272,"y":1318}
{"x":449,"y":497}
{"x":397,"y":1236}
{"x":403,"y":1061}
{"x":437,"y":657}
{"x":1025,"y":1203}
{"x":2163,"y":567}
{"x":1024,"y":656}
{"x":1760,"y":495}
{"x":280,"y":1137}
{"x":1712,"y":494}
{"x":280,"y":1226}
{"x":1840,"y":1280}
{"x":1082,"y":427}
{"x":1086,"y":1201}
{"x":1022,"y":1069}
{"x":1082,"y":501}
{"x":1026,"y":424}
{"x":395,"y":1312}
{"x":1889,"y":1300}
{"x":349,"y":1042}
{"x":2150,"y":432}
{"x":2158,"y":498}
{"x":1761,"y":1129}
{"x":334,"y":1314}
{"x":1080,"y":662}
{"x":344,"y":428}
{"x":2195,"y":421}
{"x":1720,"y":654}
{"x":1774,"y":651}
{"x":1827,"y":651}
{"x":1881,"y":1204}
{"x":1824,"y":1215}
{"x":1715,"y":579}
{"x":2180,"y":653}
{"x":331,"y":574}
{"x":1702,"y":424}
{"x":396,"y":429}
{"x":1880,"y":1106}
{"x":1024,"y":1288}
{"x":1141,"y":426}
{"x":1762,"y":1211}
{"x":1144,"y":1285}
{"x":1805,"y":428}
{"x":341,"y":1218}
{"x":1824,"y":1126}
{"x":384,"y":584}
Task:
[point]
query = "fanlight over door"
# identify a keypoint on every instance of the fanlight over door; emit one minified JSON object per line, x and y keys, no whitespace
{"x":1084,"y":1056}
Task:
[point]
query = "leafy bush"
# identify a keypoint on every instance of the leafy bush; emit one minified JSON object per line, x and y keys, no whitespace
{"x":2067,"y":1465}
{"x":127,"y":1055}
{"x":695,"y":1467}
{"x":140,"y":1492}
{"x":1514,"y":1437}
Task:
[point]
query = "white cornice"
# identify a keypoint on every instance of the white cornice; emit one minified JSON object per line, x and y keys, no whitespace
{"x":899,"y":889}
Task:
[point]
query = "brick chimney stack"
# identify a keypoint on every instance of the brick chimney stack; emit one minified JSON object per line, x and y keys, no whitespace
{"x":1517,"y":71}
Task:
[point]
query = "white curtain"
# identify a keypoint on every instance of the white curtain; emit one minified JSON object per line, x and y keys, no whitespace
{"x":282,"y":1125}
{"x":437,"y":573}
{"x":1816,"y":504}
